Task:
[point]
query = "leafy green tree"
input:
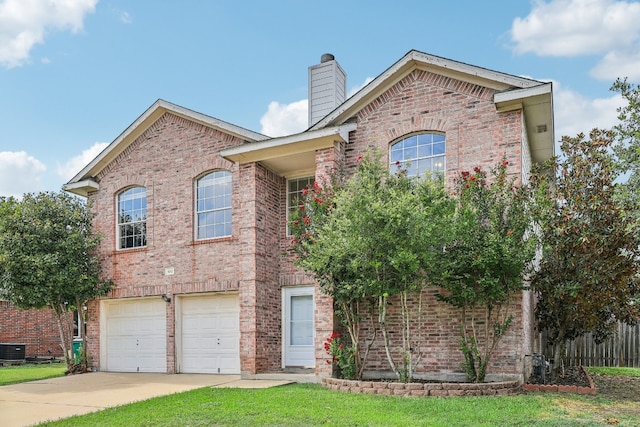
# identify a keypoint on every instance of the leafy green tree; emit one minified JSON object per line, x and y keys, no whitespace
{"x":628,"y":149}
{"x":370,"y":248}
{"x":325,"y":254}
{"x":484,"y":262}
{"x":587,"y":279}
{"x":47,"y":258}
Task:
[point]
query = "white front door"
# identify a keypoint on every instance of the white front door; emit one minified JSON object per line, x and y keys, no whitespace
{"x":299,"y":349}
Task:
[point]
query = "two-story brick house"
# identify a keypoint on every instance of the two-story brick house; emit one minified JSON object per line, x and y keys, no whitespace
{"x":193,"y":213}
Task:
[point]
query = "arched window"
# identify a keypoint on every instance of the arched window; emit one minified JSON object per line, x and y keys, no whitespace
{"x":132,"y":218}
{"x":419,"y":154}
{"x":213,"y":205}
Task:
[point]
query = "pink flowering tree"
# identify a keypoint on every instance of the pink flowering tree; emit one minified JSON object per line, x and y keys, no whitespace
{"x":369,"y":242}
{"x":318,"y":249}
{"x":482,"y":267}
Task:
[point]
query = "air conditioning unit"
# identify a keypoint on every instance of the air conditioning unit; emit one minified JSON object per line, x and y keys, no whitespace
{"x":12,"y":351}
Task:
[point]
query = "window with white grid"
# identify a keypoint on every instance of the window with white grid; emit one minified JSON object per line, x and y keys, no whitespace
{"x":213,"y":205}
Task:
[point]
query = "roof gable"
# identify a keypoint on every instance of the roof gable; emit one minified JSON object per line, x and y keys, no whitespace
{"x":511,"y":92}
{"x":83,"y":182}
{"x":421,"y":61}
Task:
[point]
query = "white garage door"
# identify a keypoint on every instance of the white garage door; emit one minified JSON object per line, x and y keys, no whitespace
{"x":210,"y":334}
{"x":136,"y":336}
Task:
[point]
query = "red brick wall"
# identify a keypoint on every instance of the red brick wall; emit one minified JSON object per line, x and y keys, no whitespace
{"x":167,"y":159}
{"x":476,"y":134}
{"x":38,"y":329}
{"x":270,"y":226}
{"x":435,"y":335}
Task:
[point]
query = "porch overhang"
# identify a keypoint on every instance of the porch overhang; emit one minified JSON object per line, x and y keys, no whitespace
{"x":292,"y":155}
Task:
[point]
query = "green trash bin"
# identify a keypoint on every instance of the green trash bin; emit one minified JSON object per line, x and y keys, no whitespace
{"x":77,"y":348}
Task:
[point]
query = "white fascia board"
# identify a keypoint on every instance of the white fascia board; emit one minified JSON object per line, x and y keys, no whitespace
{"x":226,"y":127}
{"x":81,"y":188}
{"x":520,"y":94}
{"x":301,"y":142}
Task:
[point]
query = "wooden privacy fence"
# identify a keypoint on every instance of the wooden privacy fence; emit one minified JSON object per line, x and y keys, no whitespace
{"x":622,"y":349}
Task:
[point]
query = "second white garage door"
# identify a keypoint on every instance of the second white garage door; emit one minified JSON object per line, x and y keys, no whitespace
{"x":210,"y":334}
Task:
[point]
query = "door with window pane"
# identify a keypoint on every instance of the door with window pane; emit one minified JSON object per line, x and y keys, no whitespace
{"x":299,"y":349}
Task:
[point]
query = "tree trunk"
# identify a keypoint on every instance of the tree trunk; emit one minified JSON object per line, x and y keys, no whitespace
{"x":382,"y":320}
{"x":559,"y":351}
{"x":65,"y":333}
{"x":84,"y":361}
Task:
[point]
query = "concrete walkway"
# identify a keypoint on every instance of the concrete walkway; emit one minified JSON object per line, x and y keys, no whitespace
{"x":34,"y":402}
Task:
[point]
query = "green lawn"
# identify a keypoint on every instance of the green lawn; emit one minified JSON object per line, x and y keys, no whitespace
{"x":312,"y":405}
{"x":623,"y":372}
{"x":23,"y":373}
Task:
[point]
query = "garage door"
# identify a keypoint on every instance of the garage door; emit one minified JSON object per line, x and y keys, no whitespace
{"x":136,"y":336}
{"x":210,"y":334}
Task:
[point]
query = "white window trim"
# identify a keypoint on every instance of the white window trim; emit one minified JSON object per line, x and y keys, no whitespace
{"x":196,"y":212}
{"x":404,"y":162}
{"x":288,"y":206}
{"x":118,"y":224}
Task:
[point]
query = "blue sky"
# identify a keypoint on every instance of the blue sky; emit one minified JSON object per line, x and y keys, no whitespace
{"x":74,"y":74}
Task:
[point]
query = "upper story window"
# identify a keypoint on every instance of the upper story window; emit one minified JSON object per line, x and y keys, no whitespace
{"x":132,"y":218}
{"x":295,"y":188}
{"x":213,"y":205}
{"x":418,"y":154}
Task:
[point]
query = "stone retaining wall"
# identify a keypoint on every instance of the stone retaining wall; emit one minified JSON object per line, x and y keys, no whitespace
{"x":554,"y":388}
{"x":423,"y":389}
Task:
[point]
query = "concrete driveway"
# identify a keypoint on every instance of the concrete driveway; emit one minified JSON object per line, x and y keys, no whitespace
{"x":38,"y":401}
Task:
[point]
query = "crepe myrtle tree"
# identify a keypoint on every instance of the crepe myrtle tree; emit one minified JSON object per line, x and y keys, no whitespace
{"x":368,"y":246}
{"x":483,"y":263}
{"x":587,"y":280}
{"x":47,"y":259}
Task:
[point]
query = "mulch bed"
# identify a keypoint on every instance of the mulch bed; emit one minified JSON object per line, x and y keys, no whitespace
{"x":573,"y":375}
{"x":573,"y":380}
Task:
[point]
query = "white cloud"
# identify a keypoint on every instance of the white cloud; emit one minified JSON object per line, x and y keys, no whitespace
{"x":577,"y":27}
{"x":575,"y":113}
{"x":20,"y":173}
{"x":75,"y":164}
{"x":285,"y":119}
{"x":24,"y":23}
{"x":618,"y":64}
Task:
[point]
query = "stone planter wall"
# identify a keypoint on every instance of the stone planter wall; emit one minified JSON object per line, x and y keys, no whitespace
{"x":591,"y":390}
{"x":423,"y":389}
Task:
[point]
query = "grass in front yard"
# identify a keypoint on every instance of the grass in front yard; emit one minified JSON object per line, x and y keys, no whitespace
{"x":312,"y":405}
{"x":23,"y":373}
{"x":605,"y":370}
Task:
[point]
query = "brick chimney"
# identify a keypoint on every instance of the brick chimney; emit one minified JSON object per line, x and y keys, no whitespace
{"x":327,"y":88}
